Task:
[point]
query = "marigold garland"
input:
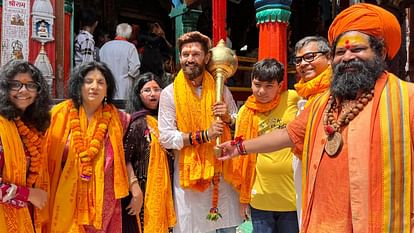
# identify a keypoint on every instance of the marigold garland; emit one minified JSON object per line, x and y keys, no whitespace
{"x":33,"y":142}
{"x":87,"y":154}
{"x":214,"y":214}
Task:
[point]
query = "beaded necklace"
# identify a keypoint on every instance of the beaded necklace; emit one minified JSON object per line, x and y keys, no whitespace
{"x":333,"y":127}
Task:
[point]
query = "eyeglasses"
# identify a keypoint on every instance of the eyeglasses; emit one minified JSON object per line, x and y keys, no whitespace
{"x":148,"y":91}
{"x":307,"y":57}
{"x":17,"y":85}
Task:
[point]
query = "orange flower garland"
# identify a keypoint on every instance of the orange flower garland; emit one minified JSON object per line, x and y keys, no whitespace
{"x":214,"y":213}
{"x":33,"y":142}
{"x":87,"y":154}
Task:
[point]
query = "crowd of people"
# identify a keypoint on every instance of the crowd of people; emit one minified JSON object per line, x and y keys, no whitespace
{"x":333,"y":155}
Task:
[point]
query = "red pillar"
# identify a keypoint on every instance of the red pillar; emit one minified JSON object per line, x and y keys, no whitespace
{"x":272,"y":19}
{"x":273,"y":43}
{"x":67,"y":51}
{"x":219,"y":20}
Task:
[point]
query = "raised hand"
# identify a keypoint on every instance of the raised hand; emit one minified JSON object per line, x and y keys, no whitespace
{"x":216,"y":129}
{"x":228,"y":150}
{"x":220,"y":110}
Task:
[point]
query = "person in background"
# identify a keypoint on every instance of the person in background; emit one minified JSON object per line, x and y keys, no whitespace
{"x":265,"y":182}
{"x":187,"y":124}
{"x":86,"y":155}
{"x":313,"y":65}
{"x":24,"y":178}
{"x":156,"y":53}
{"x":121,"y":57}
{"x":84,"y":42}
{"x":134,"y":38}
{"x":355,"y":141}
{"x":103,"y":37}
{"x":147,"y":163}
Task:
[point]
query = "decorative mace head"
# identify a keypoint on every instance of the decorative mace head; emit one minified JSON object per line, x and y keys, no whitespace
{"x":223,"y":61}
{"x":222,"y":65}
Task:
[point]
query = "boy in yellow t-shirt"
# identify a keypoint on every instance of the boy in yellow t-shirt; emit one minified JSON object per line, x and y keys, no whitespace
{"x":266,"y":181}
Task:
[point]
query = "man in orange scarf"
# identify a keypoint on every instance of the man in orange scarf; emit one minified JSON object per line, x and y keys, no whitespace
{"x":313,"y":65}
{"x":355,"y":141}
{"x":265,"y":181}
{"x":186,"y":123}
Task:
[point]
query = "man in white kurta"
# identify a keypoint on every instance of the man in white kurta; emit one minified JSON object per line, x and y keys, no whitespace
{"x":122,"y":58}
{"x":193,"y":206}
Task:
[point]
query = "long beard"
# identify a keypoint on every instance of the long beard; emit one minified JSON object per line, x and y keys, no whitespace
{"x":347,"y":84}
{"x":193,"y":73}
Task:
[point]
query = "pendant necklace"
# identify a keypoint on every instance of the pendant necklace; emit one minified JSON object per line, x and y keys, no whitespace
{"x":333,"y":127}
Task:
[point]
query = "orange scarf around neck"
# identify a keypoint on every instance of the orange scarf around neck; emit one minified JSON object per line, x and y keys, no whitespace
{"x":198,"y":163}
{"x":310,"y":89}
{"x":159,"y":212}
{"x":78,"y":202}
{"x":247,"y":126}
{"x":14,"y":219}
{"x":121,"y":38}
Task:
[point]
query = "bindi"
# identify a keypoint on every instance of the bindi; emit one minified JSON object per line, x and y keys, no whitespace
{"x":347,"y":45}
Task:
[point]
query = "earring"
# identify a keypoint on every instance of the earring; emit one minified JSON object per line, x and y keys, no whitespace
{"x":105,"y":100}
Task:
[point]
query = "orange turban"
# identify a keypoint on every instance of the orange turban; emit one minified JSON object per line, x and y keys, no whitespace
{"x":371,"y":20}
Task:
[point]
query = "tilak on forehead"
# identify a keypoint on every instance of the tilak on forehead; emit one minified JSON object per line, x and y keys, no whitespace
{"x":350,"y":39}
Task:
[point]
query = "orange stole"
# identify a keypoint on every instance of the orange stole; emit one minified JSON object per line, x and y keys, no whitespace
{"x":77,"y":202}
{"x":14,"y":171}
{"x":197,"y":164}
{"x":159,"y":213}
{"x":310,"y":89}
{"x":247,"y":126}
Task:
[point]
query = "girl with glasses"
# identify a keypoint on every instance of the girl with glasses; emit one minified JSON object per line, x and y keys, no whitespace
{"x":24,"y":117}
{"x":147,"y":163}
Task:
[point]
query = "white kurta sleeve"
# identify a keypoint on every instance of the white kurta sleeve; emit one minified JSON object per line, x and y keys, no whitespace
{"x":170,"y":137}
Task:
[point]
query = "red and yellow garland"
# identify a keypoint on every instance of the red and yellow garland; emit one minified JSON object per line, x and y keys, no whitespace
{"x":33,"y":142}
{"x":214,"y":213}
{"x":88,"y":151}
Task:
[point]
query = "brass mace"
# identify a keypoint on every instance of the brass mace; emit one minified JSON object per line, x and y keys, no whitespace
{"x":222,"y":65}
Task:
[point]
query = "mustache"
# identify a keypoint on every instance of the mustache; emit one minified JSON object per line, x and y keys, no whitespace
{"x":344,"y":67}
{"x":191,"y":63}
{"x":194,"y":72}
{"x":351,"y":77}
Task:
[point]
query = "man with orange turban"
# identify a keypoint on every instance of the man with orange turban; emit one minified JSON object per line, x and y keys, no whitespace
{"x":355,"y":141}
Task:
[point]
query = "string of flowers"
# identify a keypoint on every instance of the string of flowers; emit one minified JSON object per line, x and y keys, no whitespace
{"x":33,"y":142}
{"x":86,"y":153}
{"x":214,"y":214}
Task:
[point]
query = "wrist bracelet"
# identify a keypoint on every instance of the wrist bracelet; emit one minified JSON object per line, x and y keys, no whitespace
{"x":133,"y":180}
{"x":194,"y":139}
{"x":203,"y":136}
{"x":207,"y":137}
{"x":238,"y":142}
{"x":198,"y":137}
{"x":189,"y":138}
